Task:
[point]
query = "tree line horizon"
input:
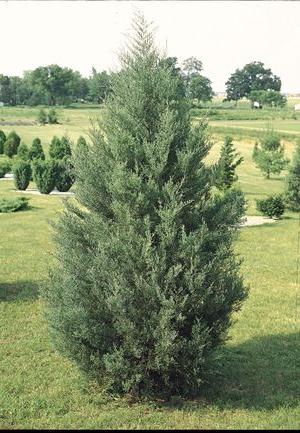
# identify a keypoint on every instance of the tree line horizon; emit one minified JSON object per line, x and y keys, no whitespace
{"x":55,"y":85}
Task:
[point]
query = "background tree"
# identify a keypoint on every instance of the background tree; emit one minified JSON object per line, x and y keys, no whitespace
{"x":253,"y":76}
{"x":293,"y":181}
{"x":200,"y":88}
{"x":146,"y":278}
{"x":271,"y":98}
{"x":191,"y":67}
{"x":228,"y":162}
{"x":99,"y":86}
{"x":269,"y":156}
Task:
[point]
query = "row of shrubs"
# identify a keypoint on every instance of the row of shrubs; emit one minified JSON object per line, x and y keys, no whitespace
{"x":55,"y":172}
{"x":31,"y":164}
{"x":50,"y":117}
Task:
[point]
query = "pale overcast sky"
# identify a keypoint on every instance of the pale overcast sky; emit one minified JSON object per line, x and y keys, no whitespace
{"x":225,"y":35}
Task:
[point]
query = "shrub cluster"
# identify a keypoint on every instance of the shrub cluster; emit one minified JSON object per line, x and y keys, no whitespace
{"x":51,"y":117}
{"x":272,"y":206}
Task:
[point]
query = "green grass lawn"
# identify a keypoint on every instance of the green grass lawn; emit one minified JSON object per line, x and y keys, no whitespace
{"x":255,"y":380}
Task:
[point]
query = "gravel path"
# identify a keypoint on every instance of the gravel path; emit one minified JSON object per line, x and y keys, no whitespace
{"x":36,"y":192}
{"x":256,"y":221}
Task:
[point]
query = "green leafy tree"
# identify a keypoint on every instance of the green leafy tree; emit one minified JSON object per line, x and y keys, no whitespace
{"x":271,"y":98}
{"x":253,"y":76}
{"x":2,"y":141}
{"x":146,"y":278}
{"x":200,"y":88}
{"x":269,"y":157}
{"x":228,"y":162}
{"x":99,"y":85}
{"x":36,"y":151}
{"x":293,"y":181}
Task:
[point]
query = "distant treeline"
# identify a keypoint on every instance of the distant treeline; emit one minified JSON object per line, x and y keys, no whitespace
{"x":55,"y":85}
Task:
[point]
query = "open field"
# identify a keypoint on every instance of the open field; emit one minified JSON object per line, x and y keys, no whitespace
{"x":256,"y":375}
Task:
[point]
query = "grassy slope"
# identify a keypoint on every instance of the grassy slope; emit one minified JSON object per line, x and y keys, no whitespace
{"x":257,"y":376}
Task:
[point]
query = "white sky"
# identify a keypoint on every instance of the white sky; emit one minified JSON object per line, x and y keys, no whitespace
{"x":225,"y":35}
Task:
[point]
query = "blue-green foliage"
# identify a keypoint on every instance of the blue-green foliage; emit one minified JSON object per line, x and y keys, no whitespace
{"x":146,"y":278}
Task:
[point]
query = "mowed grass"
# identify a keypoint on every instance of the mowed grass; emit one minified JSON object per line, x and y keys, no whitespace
{"x":287,"y":126}
{"x":254,"y":382}
{"x":72,"y":122}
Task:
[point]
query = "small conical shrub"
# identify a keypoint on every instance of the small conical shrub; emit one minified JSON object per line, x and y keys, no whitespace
{"x":59,"y":148}
{"x":64,"y":177}
{"x":229,"y":161}
{"x":23,"y":152}
{"x":52,"y":116}
{"x":146,"y":279}
{"x":15,"y":140}
{"x":10,"y":148}
{"x":2,"y":141}
{"x":42,"y":117}
{"x":22,"y":174}
{"x":44,"y":175}
{"x":36,"y":151}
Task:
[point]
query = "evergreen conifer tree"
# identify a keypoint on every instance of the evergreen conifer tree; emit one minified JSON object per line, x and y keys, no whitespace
{"x":293,"y":182}
{"x":2,"y":141}
{"x":36,"y":151}
{"x":229,"y":160}
{"x":146,"y":278}
{"x":23,"y":152}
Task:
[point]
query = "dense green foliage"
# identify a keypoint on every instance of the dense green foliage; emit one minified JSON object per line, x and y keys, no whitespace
{"x":269,"y":156}
{"x":13,"y":204}
{"x":293,"y":181}
{"x":272,"y":206}
{"x":200,"y":88}
{"x":60,"y":147}
{"x":23,"y":152}
{"x":36,"y":151}
{"x":64,"y":174}
{"x":2,"y":141}
{"x":42,"y":117}
{"x":44,"y":175}
{"x":11,"y":144}
{"x":146,"y":279}
{"x":253,"y":76}
{"x":271,"y":98}
{"x":22,"y":174}
{"x":5,"y":167}
{"x":52,"y":117}
{"x":228,"y":162}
